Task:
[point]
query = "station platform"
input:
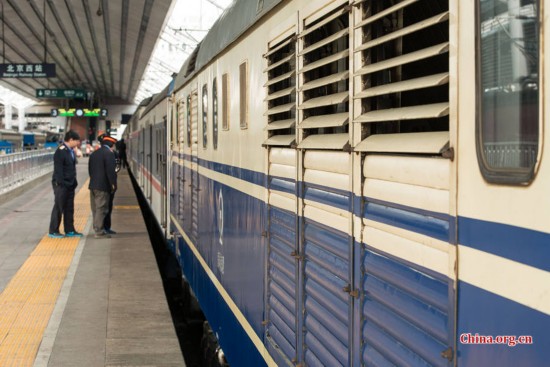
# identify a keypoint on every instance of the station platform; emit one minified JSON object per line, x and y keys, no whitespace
{"x":81,"y":301}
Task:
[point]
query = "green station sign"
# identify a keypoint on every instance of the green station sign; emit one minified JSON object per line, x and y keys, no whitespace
{"x":79,"y":112}
{"x":61,"y":93}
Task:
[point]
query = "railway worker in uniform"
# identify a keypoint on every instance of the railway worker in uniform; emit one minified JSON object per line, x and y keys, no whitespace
{"x":103,"y":184}
{"x":107,"y":222}
{"x":64,"y":184}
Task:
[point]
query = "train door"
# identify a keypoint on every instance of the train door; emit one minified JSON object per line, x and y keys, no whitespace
{"x":195,"y":185}
{"x":181,"y":176}
{"x":161,"y":148}
{"x":405,"y":184}
{"x":282,"y":292}
{"x":149,"y":164}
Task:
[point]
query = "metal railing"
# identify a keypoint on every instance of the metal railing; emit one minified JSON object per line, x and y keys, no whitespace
{"x":18,"y":168}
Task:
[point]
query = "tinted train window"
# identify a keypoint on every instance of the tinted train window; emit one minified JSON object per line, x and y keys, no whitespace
{"x":204,"y":115}
{"x":215,"y":114}
{"x":508,"y":90}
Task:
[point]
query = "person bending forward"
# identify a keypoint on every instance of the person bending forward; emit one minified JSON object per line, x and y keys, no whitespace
{"x":103,"y":182}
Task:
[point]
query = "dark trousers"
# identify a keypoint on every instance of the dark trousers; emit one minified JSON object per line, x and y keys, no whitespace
{"x":107,"y":221}
{"x":100,"y":206}
{"x":63,"y":207}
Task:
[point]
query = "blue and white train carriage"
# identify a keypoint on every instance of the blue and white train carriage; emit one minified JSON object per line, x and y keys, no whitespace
{"x":357,"y":183}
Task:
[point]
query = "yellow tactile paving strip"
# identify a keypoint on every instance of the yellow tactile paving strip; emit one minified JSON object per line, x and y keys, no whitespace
{"x":27,"y":302}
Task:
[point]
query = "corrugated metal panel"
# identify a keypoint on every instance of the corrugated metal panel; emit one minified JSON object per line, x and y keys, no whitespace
{"x":195,"y":185}
{"x":419,"y":197}
{"x":282,"y":266}
{"x":428,"y":142}
{"x":405,"y":312}
{"x":326,"y":305}
{"x":411,"y":170}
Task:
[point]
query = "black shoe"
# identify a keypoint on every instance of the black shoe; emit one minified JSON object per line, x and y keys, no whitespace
{"x":102,"y":235}
{"x":109,"y":231}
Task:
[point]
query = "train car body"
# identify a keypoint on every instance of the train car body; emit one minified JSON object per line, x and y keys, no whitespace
{"x":356,"y":183}
{"x":12,"y":141}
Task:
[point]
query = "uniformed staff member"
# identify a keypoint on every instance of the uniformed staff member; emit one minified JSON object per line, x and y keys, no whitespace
{"x":64,"y":184}
{"x":103,"y":183}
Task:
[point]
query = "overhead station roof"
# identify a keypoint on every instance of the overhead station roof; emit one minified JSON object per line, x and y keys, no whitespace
{"x":101,"y":46}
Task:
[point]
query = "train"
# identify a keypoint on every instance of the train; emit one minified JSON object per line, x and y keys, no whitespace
{"x":360,"y":183}
{"x":12,"y":141}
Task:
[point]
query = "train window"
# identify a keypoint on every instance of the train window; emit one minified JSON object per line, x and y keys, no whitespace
{"x":243,"y":94}
{"x":174,"y":139}
{"x":225,"y":101}
{"x":508,"y":90}
{"x":215,"y":114}
{"x":180,"y":121}
{"x":204,"y":115}
{"x":324,"y":81}
{"x":189,"y":121}
{"x":281,"y":92}
{"x":402,"y":73}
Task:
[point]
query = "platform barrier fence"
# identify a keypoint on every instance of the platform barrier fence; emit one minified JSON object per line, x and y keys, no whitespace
{"x":19,"y":168}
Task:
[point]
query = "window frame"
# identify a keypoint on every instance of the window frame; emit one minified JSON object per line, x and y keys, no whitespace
{"x":204,"y":105}
{"x":215,"y":108}
{"x":509,"y":175}
{"x":243,"y":95}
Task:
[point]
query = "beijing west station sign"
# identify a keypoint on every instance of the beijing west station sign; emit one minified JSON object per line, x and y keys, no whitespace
{"x":27,"y":70}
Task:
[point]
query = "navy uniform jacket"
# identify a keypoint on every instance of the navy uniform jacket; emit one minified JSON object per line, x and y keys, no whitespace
{"x":64,"y":168}
{"x":101,"y":167}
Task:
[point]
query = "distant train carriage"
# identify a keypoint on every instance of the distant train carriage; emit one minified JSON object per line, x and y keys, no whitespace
{"x":357,"y":183}
{"x":11,"y":141}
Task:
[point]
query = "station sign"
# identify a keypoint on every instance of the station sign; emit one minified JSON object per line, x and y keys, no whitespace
{"x":60,"y":93}
{"x":79,"y":112}
{"x":16,"y":70}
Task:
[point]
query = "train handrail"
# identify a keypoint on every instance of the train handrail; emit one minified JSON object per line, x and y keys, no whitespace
{"x":19,"y":168}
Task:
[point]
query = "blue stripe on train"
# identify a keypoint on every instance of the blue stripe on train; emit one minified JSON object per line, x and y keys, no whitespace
{"x":239,"y":348}
{"x":488,"y":314}
{"x":515,"y":243}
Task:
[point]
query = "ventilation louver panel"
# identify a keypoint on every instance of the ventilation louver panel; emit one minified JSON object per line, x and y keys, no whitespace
{"x":324,"y":81}
{"x":281,"y":93}
{"x":402,"y":69}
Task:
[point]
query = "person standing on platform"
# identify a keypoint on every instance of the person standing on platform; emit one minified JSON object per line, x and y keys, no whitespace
{"x":121,"y":147}
{"x":64,"y":184}
{"x":103,"y":184}
{"x":107,"y":222}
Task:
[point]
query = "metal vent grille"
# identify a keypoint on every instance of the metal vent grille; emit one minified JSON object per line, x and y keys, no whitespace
{"x":402,"y":68}
{"x":281,"y":92}
{"x":324,"y":81}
